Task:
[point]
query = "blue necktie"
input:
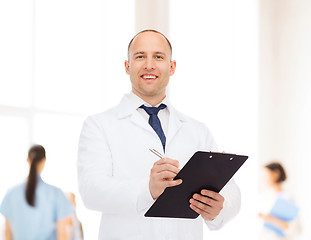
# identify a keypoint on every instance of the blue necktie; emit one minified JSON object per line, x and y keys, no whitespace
{"x":154,"y":121}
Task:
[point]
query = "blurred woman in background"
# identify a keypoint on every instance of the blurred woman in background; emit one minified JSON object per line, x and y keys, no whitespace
{"x":35,"y":210}
{"x":280,"y":213}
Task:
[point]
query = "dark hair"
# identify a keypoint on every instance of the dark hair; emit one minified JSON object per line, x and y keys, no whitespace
{"x":149,"y":30}
{"x":277,"y":167}
{"x":35,"y":155}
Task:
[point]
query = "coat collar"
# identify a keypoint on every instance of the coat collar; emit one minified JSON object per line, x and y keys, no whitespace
{"x":129,"y":105}
{"x":128,"y":108}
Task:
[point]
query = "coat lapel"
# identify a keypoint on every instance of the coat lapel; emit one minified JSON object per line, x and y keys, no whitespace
{"x":175,"y":123}
{"x":127,"y":110}
{"x":139,"y":121}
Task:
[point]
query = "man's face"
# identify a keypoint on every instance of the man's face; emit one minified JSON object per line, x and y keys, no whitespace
{"x":149,"y":65}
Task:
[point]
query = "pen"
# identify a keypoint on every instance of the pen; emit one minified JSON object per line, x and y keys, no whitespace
{"x":156,"y":153}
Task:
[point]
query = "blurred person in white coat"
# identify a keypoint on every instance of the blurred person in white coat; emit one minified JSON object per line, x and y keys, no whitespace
{"x":120,"y":177}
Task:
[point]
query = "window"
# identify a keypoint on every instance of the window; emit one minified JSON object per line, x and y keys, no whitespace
{"x":60,"y":61}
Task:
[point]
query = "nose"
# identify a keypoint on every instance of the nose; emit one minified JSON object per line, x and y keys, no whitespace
{"x":149,"y":64}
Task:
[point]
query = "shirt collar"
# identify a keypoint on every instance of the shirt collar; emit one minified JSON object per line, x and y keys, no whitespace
{"x":131,"y":102}
{"x":137,"y":101}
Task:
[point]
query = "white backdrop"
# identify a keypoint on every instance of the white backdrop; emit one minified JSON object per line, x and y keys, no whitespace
{"x":63,"y":60}
{"x":215,"y":44}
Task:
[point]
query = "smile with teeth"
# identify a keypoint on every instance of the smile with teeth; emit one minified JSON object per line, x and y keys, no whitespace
{"x":147,"y":76}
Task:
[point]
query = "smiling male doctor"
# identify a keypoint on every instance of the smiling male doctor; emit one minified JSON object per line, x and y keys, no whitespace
{"x":121,"y":178}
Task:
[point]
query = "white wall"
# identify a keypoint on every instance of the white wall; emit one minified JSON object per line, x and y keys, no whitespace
{"x":285,"y":94}
{"x":152,"y":15}
{"x":215,"y":44}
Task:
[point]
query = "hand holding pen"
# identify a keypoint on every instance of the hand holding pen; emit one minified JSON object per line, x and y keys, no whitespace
{"x":162,"y":174}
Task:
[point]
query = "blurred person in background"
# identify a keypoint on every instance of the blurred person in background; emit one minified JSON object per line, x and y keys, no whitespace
{"x":279,"y":212}
{"x":74,"y":226}
{"x":35,"y":210}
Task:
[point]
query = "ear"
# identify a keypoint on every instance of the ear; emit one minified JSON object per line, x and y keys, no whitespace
{"x":127,"y":66}
{"x":173,"y":67}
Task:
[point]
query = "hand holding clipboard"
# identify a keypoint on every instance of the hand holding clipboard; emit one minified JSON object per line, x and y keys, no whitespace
{"x":205,"y":170}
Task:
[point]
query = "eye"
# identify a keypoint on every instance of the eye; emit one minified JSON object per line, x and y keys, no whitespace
{"x":139,"y":57}
{"x":159,"y":57}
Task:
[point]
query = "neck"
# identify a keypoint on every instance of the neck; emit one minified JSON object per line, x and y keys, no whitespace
{"x":152,"y":100}
{"x":277,"y":187}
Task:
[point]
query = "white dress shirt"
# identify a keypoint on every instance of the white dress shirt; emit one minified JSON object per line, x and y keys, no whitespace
{"x":114,"y":165}
{"x":163,"y":114}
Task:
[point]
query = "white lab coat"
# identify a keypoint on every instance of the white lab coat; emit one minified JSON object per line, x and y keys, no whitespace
{"x":114,"y":164}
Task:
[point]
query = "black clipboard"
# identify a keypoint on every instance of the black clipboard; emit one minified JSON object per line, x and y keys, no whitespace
{"x":204,"y":170}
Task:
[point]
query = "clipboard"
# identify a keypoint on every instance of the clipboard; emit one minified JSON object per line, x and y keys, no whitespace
{"x":204,"y":170}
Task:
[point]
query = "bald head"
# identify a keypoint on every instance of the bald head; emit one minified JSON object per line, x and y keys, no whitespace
{"x":148,"y":30}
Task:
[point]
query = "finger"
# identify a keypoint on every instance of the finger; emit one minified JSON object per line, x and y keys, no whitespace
{"x":204,"y":214}
{"x":173,"y":183}
{"x":167,"y":161}
{"x":213,"y":195}
{"x":203,"y":199}
{"x":207,"y":204}
{"x":200,"y":205}
{"x":165,"y":175}
{"x":213,"y":208}
{"x":165,"y":167}
{"x":215,"y":205}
